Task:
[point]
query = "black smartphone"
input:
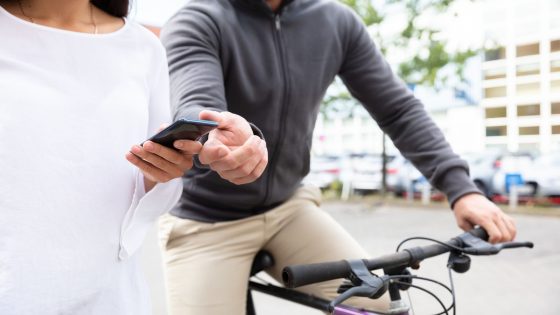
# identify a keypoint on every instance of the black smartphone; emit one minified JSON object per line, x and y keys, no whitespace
{"x":183,"y":129}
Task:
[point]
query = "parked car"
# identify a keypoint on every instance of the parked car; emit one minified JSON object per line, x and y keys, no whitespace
{"x":402,"y":176}
{"x":514,"y":165}
{"x":323,"y":171}
{"x":484,"y":167}
{"x":544,"y":175}
{"x":363,"y":172}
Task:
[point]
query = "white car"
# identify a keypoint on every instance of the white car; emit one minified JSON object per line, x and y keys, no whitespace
{"x":512,"y":166}
{"x":365,"y":172}
{"x":545,"y":176}
{"x":402,"y":176}
{"x":324,"y":170}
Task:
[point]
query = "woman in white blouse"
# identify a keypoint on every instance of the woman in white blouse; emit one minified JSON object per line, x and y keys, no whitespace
{"x":80,"y":88}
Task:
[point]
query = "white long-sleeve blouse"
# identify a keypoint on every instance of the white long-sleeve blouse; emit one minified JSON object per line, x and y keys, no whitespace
{"x":73,"y":211}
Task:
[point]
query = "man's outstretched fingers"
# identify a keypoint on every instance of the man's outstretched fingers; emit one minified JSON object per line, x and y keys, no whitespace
{"x":237,"y":159}
{"x":212,"y":115}
{"x":257,"y":171}
{"x":212,"y":153}
{"x":244,"y":169}
{"x":188,"y":146}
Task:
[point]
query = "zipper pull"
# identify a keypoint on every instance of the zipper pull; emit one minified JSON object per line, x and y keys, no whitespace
{"x":277,"y":21}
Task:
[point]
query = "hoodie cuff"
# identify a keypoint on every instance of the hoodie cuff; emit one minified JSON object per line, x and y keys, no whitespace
{"x":455,"y":184}
{"x":256,"y":131}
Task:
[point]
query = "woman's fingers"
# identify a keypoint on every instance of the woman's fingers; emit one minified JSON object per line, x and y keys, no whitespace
{"x":162,"y":167}
{"x":153,"y":173}
{"x":165,"y":153}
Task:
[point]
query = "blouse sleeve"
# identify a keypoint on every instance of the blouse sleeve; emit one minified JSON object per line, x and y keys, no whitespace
{"x":145,"y":207}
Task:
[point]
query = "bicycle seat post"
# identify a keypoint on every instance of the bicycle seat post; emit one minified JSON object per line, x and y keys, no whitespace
{"x":262,"y":260}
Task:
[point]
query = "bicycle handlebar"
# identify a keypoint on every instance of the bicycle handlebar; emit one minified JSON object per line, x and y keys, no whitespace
{"x":299,"y":275}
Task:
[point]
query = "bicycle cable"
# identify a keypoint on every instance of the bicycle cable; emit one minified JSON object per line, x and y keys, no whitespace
{"x":450,"y":290}
{"x":394,"y":277}
{"x":445,"y":310}
{"x":459,"y":249}
{"x":452,"y":247}
{"x":411,"y":305}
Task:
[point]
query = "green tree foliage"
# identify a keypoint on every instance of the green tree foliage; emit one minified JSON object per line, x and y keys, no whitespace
{"x":424,"y":69}
{"x":420,"y":69}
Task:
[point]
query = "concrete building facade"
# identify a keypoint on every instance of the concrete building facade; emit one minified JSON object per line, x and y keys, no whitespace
{"x":521,"y":78}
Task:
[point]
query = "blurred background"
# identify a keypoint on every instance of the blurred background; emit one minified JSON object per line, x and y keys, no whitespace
{"x":488,"y":73}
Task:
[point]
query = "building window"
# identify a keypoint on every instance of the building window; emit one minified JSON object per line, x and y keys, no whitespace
{"x":497,"y":146}
{"x":555,"y":66}
{"x":491,"y":74}
{"x":556,"y":129}
{"x":529,"y":69}
{"x":528,"y":89}
{"x":529,"y":131}
{"x":531,"y":147}
{"x":495,"y":54}
{"x":555,"y":86}
{"x":555,"y":108}
{"x":528,"y":50}
{"x":495,"y":92}
{"x":496,"y":112}
{"x":555,"y":45}
{"x":529,"y":110}
{"x":496,"y":131}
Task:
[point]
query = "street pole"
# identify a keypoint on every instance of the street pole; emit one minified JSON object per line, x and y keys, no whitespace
{"x":383,"y":167}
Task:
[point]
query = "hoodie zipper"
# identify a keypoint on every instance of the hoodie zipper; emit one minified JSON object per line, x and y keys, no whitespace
{"x":277,"y":22}
{"x":283,"y":65}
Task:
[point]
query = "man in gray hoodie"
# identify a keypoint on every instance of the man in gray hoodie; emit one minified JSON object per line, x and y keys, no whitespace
{"x":261,"y":68}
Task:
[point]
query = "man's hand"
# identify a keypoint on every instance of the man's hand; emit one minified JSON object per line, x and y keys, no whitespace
{"x":232,"y":150}
{"x":475,"y":209}
{"x":160,"y":164}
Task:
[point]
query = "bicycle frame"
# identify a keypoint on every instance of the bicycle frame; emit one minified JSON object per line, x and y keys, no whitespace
{"x":363,"y":283}
{"x":305,"y":299}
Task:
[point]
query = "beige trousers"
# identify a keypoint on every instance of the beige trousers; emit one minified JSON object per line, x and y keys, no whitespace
{"x":207,"y":265}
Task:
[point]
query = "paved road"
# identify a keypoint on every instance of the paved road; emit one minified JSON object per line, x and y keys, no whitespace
{"x":515,"y":282}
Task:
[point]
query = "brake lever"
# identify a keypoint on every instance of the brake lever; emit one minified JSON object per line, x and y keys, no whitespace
{"x":363,"y":290}
{"x":473,"y":245}
{"x":514,"y":245}
{"x":361,"y":283}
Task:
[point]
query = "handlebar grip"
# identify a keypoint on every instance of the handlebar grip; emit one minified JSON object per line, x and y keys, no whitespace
{"x":299,"y":275}
{"x":480,"y":233}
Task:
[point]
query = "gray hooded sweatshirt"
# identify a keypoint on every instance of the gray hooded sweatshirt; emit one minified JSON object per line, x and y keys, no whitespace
{"x":273,"y":69}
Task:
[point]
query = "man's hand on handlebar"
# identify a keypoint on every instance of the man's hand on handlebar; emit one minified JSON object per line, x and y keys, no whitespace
{"x":475,"y":209}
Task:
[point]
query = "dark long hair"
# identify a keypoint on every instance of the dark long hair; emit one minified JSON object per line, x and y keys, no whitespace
{"x":118,"y":8}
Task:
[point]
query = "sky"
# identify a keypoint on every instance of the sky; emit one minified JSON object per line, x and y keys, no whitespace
{"x":154,"y":12}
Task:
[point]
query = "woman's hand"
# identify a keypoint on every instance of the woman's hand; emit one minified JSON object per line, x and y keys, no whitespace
{"x":160,"y":164}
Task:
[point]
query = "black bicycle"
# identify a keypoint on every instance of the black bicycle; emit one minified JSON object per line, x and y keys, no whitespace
{"x":361,"y":282}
